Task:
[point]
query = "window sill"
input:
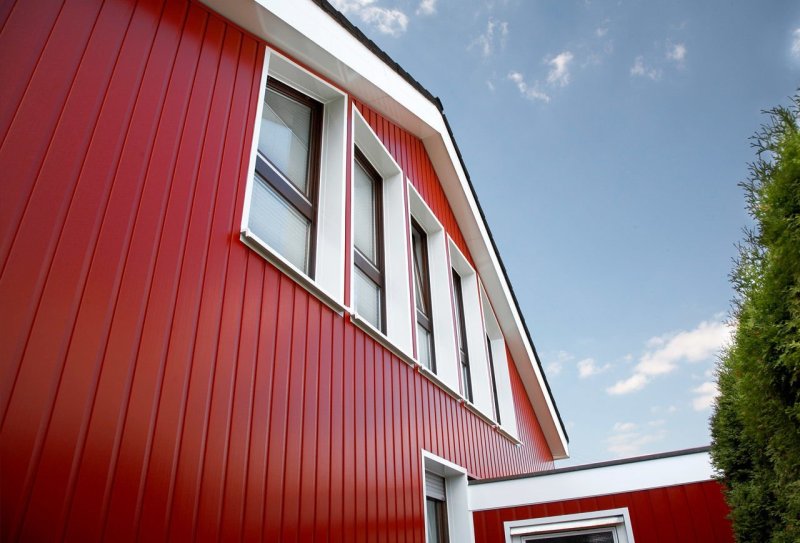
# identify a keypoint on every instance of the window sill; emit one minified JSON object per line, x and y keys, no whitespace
{"x":380,"y":337}
{"x":259,"y":246}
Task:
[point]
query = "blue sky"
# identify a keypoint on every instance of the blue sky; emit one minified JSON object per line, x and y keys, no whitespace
{"x":605,"y":141}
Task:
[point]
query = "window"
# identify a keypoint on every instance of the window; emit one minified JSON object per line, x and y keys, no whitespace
{"x":368,"y":241}
{"x":609,"y":526}
{"x":380,"y":285}
{"x":436,"y":344}
{"x":294,"y":207}
{"x":287,"y":172}
{"x":425,"y":349}
{"x":436,"y":508}
{"x":461,"y":337}
{"x":447,"y":515}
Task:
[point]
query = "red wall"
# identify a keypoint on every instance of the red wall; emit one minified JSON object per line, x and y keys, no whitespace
{"x":157,"y":378}
{"x":690,"y":513}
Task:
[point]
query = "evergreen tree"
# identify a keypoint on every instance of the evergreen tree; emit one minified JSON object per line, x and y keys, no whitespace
{"x":756,"y":423}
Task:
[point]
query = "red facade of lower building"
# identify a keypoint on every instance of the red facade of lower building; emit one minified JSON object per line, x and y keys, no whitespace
{"x":689,"y":513}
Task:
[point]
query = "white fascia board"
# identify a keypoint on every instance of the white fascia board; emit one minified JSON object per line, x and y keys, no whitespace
{"x":599,"y":481}
{"x":311,"y":36}
{"x":308,"y":34}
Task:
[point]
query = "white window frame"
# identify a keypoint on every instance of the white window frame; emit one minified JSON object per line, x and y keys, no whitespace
{"x":444,"y":338}
{"x":617,"y":521}
{"x":328,"y":281}
{"x":459,"y":518}
{"x":473,"y":322}
{"x":502,"y":376}
{"x":397,"y":291}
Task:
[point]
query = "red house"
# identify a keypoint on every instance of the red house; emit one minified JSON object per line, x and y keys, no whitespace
{"x":248,"y":292}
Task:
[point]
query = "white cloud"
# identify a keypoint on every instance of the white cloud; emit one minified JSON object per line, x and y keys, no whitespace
{"x":796,"y":43}
{"x":631,"y":384}
{"x":559,"y":69}
{"x":667,"y":351}
{"x":427,"y":7}
{"x":626,"y":439}
{"x":528,"y":91}
{"x":490,"y":85}
{"x":676,"y":52}
{"x":705,"y":395}
{"x":588,"y":367}
{"x":601,"y":31}
{"x":639,"y":69}
{"x":625,"y":426}
{"x":389,"y":21}
{"x":496,"y":33}
{"x":560,"y":358}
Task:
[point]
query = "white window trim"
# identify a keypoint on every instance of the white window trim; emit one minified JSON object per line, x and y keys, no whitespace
{"x":505,"y":394}
{"x":459,"y":518}
{"x":397,"y":291}
{"x":618,"y":520}
{"x":444,"y":338}
{"x":328,"y":283}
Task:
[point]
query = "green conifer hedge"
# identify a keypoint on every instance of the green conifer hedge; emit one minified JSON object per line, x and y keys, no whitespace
{"x":756,"y":423}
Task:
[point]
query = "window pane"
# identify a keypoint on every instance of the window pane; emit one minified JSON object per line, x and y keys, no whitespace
{"x":285,"y":135}
{"x":364,"y":219}
{"x":419,"y":272}
{"x":433,"y":521}
{"x":597,"y":537}
{"x":424,"y":347}
{"x":279,"y":224}
{"x":368,"y":299}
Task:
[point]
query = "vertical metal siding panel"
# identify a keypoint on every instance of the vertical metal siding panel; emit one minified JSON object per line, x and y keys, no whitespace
{"x":370,"y":464}
{"x":136,"y":447}
{"x":385,"y":383}
{"x":308,"y":429}
{"x":643,"y":522}
{"x":294,"y":420}
{"x":274,"y":496}
{"x":681,"y":513}
{"x":215,"y":461}
{"x":322,"y":493}
{"x":242,"y":413}
{"x":337,"y":432}
{"x":660,"y":503}
{"x":170,"y":412}
{"x":699,"y":513}
{"x":26,"y":27}
{"x":62,"y":297}
{"x":41,"y":107}
{"x":398,"y":420}
{"x":260,"y":430}
{"x":349,"y":460}
{"x":101,"y":295}
{"x":184,"y":495}
{"x":359,"y":439}
{"x":52,"y":131}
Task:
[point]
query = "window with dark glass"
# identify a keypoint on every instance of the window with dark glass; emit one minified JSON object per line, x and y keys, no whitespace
{"x":419,"y":243}
{"x":495,"y":400}
{"x":604,"y":536}
{"x":436,"y":508}
{"x":368,"y":242}
{"x":461,"y":337}
{"x":284,"y":197}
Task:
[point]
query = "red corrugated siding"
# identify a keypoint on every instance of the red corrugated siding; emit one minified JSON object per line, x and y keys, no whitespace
{"x":689,"y":513}
{"x":159,"y":379}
